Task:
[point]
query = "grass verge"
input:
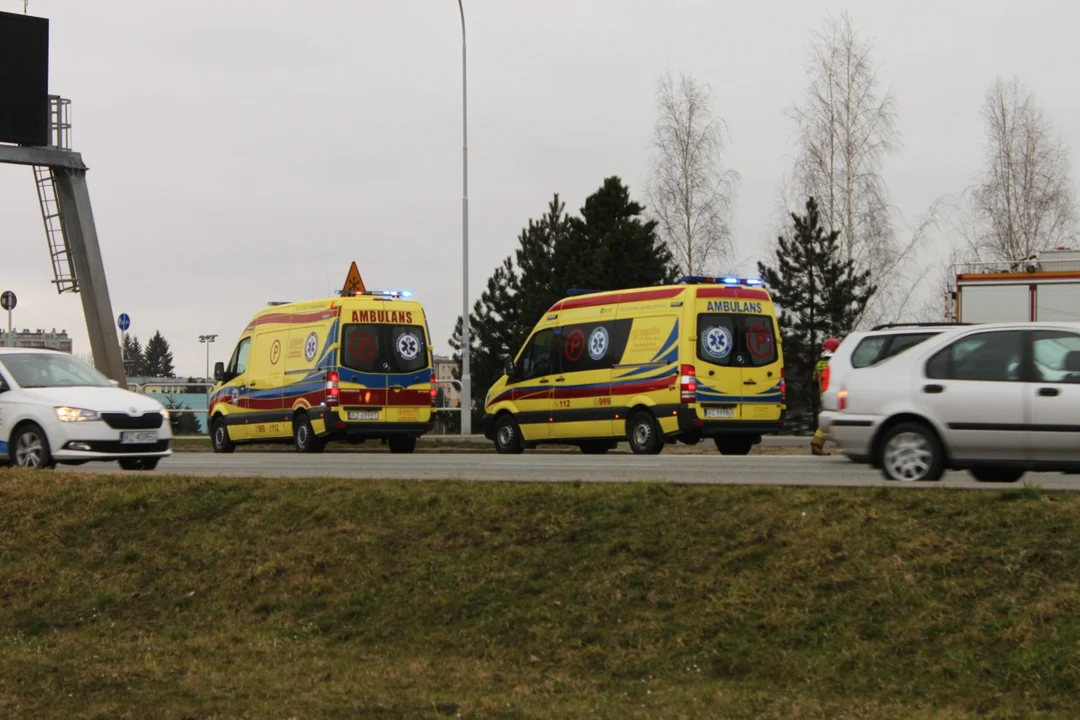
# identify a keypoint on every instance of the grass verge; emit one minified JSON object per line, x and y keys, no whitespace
{"x":179,"y":597}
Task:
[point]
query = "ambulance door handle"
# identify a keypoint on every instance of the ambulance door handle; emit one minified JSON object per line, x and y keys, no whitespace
{"x":562,"y":379}
{"x":749,"y":382}
{"x":397,"y":388}
{"x":545,"y":381}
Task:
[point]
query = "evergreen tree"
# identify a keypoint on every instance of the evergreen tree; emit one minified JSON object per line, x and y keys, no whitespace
{"x":609,"y":247}
{"x":134,"y":360}
{"x":158,"y":357}
{"x":818,"y":294}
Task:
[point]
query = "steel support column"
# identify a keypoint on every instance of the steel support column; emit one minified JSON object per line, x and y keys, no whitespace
{"x":73,"y":197}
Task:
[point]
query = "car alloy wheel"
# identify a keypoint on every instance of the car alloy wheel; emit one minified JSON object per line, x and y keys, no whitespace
{"x":32,"y":449}
{"x":908,"y":456}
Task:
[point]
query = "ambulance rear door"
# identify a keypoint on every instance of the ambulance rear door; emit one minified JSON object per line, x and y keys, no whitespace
{"x":365,"y":360}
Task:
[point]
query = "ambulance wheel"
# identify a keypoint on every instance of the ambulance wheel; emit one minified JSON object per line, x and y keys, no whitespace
{"x":219,"y":437}
{"x":734,"y":445}
{"x":402,"y":444}
{"x":508,"y":440}
{"x":304,"y":437}
{"x":644,"y":432}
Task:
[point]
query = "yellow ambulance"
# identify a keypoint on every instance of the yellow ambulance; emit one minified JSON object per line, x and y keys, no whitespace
{"x":679,"y":363}
{"x":354,"y":367}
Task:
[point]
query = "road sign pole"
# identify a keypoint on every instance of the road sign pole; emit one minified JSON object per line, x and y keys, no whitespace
{"x":8,"y":301}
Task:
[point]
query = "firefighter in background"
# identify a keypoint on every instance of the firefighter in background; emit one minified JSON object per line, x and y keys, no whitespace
{"x":817,"y":444}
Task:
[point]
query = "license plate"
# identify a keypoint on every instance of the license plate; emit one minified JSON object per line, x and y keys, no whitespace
{"x":719,"y":412}
{"x":363,"y":414}
{"x":140,"y":437}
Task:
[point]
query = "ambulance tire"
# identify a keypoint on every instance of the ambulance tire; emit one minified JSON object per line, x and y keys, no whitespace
{"x":644,"y":433}
{"x":304,"y":437}
{"x":401,"y":444}
{"x":508,"y":439}
{"x":219,"y":437}
{"x":734,"y":445}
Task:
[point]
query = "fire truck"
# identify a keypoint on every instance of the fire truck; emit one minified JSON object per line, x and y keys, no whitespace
{"x":1045,"y":286}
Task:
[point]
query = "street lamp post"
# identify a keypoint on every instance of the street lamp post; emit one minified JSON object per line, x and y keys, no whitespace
{"x":207,"y":339}
{"x":466,"y":378}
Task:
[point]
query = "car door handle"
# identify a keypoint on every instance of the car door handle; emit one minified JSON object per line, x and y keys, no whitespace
{"x":562,"y":379}
{"x":1049,"y":392}
{"x":749,"y":382}
{"x":545,"y":381}
{"x":933,"y":389}
{"x":397,"y":388}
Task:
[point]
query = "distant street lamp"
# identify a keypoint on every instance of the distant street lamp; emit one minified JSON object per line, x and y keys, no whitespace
{"x":207,"y":339}
{"x":466,"y":345}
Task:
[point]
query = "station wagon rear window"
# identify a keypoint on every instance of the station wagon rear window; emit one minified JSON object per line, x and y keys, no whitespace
{"x":874,"y":349}
{"x":384,"y":348}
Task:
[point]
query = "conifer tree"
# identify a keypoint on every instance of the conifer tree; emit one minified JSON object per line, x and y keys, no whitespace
{"x":818,"y":294}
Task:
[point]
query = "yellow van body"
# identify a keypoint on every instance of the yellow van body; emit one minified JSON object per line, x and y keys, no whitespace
{"x":652,"y":366}
{"x":355,"y":367}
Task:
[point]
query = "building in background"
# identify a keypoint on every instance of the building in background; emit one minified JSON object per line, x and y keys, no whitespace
{"x":445,"y":369}
{"x":42,"y":339}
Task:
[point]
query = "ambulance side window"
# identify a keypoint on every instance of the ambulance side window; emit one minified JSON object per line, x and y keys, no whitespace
{"x":239,"y":362}
{"x":536,"y":360}
{"x":592,"y":346}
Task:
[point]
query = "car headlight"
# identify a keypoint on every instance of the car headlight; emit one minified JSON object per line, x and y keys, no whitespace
{"x":165,"y":413}
{"x":70,"y":414}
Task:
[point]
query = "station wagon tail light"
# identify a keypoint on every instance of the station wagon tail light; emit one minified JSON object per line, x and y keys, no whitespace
{"x":841,"y":400}
{"x":687,"y":384}
{"x":333,"y":390}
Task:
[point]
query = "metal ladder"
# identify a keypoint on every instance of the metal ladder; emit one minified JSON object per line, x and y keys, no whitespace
{"x":59,"y":250}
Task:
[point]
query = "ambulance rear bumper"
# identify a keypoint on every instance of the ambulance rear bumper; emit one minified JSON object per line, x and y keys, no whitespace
{"x":338,"y":429}
{"x":691,"y":424}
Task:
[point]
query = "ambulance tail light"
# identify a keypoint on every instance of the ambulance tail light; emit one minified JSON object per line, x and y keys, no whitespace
{"x":783,"y":386}
{"x":687,"y":384}
{"x":434,"y":391}
{"x":333,"y":390}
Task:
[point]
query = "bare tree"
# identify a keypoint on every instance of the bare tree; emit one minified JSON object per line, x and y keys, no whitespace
{"x":846,"y":128}
{"x":1024,"y":202}
{"x":690,"y":192}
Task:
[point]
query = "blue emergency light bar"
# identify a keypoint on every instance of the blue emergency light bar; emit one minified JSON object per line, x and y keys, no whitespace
{"x":726,"y":280}
{"x":377,"y":293}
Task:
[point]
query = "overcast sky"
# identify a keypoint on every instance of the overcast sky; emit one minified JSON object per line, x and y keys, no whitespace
{"x":243,"y":152}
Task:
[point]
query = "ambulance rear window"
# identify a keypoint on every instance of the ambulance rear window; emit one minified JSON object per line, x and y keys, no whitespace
{"x":730,"y":339}
{"x":384,"y":348}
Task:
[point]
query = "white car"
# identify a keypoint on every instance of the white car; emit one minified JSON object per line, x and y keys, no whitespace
{"x":862,"y":349}
{"x":55,"y":408}
{"x":994,"y":399}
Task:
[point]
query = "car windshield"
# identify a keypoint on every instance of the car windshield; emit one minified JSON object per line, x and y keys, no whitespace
{"x":46,"y":370}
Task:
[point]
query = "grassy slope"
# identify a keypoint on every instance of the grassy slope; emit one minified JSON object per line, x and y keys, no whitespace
{"x":174,"y":597}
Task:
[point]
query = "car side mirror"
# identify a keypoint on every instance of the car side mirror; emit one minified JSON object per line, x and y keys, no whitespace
{"x":114,"y":383}
{"x":508,"y":367}
{"x":219,"y":371}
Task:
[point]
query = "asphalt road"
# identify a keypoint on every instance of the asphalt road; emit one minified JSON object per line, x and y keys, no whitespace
{"x":801,"y":470}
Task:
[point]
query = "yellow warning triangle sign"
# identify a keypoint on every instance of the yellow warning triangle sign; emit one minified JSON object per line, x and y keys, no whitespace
{"x":354,"y":283}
